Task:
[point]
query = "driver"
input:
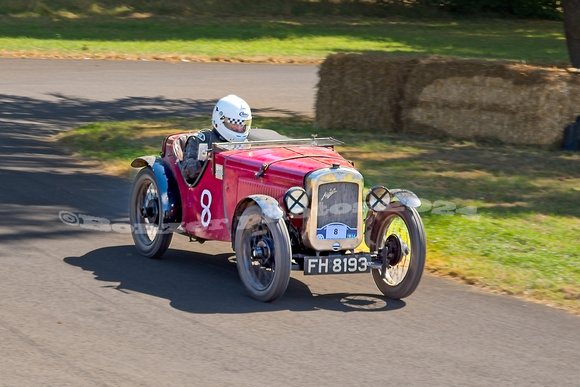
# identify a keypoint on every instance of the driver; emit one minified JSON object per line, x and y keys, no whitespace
{"x":231,"y":121}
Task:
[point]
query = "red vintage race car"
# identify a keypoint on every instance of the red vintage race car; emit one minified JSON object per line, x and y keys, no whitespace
{"x":284,"y":204}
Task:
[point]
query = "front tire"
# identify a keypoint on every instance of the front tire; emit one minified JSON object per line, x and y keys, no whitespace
{"x":263,"y":254}
{"x":149,"y":232}
{"x":401,"y":228}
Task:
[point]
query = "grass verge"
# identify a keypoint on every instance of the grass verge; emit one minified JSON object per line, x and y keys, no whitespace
{"x":277,"y":39}
{"x":500,"y":217}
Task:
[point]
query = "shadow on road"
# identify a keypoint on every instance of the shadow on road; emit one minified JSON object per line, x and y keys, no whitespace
{"x":39,"y":179}
{"x":60,"y":112}
{"x":201,"y":283}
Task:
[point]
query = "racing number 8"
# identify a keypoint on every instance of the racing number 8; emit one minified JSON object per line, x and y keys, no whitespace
{"x":205,"y":201}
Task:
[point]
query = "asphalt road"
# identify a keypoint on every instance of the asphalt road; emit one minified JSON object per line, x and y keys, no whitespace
{"x":79,"y":306}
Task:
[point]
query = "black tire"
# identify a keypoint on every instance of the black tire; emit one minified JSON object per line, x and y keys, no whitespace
{"x":263,"y":254}
{"x":401,"y":279}
{"x":150,"y":235}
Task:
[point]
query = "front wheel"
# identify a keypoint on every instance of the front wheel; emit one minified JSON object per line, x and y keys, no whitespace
{"x":263,"y":254}
{"x":398,"y":235}
{"x":150,"y":235}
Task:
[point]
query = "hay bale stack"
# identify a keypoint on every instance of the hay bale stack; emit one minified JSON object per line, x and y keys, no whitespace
{"x":506,"y":102}
{"x":361,"y":91}
{"x":468,"y":99}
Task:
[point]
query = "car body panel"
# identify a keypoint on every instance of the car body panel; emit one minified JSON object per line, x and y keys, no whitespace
{"x":231,"y":175}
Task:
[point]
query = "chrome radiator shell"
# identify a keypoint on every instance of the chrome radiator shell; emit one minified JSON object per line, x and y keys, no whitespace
{"x":336,"y":208}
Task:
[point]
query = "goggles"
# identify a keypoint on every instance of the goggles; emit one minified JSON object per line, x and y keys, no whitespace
{"x":237,"y":125}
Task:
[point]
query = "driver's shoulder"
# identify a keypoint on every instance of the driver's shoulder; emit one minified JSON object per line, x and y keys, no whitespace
{"x":201,"y":136}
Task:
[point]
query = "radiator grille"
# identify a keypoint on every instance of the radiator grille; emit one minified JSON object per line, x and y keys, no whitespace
{"x":338,"y":203}
{"x":335,"y":219}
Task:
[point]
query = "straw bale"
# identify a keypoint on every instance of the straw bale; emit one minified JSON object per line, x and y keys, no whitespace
{"x":509,"y":103}
{"x":361,"y":91}
{"x":470,"y":99}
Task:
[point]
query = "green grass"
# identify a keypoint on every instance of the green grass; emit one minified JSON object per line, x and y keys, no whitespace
{"x":285,"y":39}
{"x":501,"y":217}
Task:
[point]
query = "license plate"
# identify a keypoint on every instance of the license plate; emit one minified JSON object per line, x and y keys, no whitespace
{"x":336,"y":265}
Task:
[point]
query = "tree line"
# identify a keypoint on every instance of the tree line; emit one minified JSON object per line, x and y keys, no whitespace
{"x":543,"y":9}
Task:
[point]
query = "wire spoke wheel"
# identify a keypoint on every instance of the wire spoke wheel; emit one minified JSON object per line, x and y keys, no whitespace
{"x":263,"y":254}
{"x":145,"y":212}
{"x":399,"y":236}
{"x":398,"y":257}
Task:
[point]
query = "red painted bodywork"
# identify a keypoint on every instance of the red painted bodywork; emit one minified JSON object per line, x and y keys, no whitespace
{"x":209,"y":206}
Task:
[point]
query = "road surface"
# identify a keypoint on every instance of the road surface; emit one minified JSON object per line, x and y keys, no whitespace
{"x":79,"y":306}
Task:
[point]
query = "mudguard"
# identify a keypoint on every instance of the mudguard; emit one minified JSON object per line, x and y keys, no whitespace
{"x":169,"y":190}
{"x":408,"y":198}
{"x":269,"y":206}
{"x":405,"y":198}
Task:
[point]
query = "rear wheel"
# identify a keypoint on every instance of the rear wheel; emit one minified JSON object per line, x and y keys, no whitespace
{"x":263,"y":254}
{"x":399,"y":236}
{"x":146,"y":214}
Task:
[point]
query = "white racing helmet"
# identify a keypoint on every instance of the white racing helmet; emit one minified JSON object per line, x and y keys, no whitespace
{"x":232,"y":118}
